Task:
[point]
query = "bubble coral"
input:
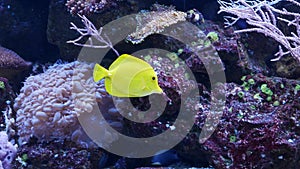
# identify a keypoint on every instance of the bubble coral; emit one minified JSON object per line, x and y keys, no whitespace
{"x":49,"y":104}
{"x":7,"y":151}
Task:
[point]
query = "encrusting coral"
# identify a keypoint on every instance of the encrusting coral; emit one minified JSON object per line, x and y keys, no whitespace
{"x":49,"y":103}
{"x":155,"y":22}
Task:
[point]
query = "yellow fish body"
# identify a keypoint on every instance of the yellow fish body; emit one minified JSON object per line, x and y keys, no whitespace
{"x":128,"y":76}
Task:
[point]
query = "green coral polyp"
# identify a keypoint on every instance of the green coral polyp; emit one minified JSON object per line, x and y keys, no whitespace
{"x":297,"y":88}
{"x":179,"y":51}
{"x":264,"y":88}
{"x":232,"y":139}
{"x":241,"y":94}
{"x":247,"y":84}
{"x":257,"y":96}
{"x":2,"y":85}
{"x":173,"y":56}
{"x":243,"y":78}
{"x":276,"y":103}
{"x":213,"y":36}
{"x":251,"y":81}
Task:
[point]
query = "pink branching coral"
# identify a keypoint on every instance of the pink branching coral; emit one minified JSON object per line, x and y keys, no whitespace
{"x":263,"y":17}
{"x":85,"y":7}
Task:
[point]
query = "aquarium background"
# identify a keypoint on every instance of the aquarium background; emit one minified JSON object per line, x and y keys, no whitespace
{"x":242,"y":77}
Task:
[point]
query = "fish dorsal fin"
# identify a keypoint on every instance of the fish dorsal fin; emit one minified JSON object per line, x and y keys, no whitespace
{"x":126,"y":58}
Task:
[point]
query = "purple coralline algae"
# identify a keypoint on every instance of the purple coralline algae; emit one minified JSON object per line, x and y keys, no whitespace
{"x":10,"y":63}
{"x":9,"y":59}
{"x":59,"y":155}
{"x":86,"y":7}
{"x":7,"y":151}
{"x":259,"y":127}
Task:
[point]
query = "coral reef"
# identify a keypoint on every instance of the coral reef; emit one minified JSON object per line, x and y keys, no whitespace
{"x":58,"y":15}
{"x":176,"y":83}
{"x":264,"y":17}
{"x":86,"y":7}
{"x":52,"y":101}
{"x":260,"y":123}
{"x":7,"y":151}
{"x":259,"y":127}
{"x":56,"y":155}
{"x":155,"y":21}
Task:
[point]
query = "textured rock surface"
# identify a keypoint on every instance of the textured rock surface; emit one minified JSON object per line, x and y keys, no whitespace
{"x":56,"y":155}
{"x":154,"y":22}
{"x":59,"y":35}
{"x":11,"y":60}
{"x":7,"y":151}
{"x":13,"y":67}
{"x":23,"y":25}
{"x":259,"y":127}
{"x":11,"y":64}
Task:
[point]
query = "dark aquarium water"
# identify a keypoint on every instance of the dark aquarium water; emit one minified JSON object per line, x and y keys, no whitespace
{"x":125,"y":84}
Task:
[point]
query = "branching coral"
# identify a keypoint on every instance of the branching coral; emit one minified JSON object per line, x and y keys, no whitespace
{"x":147,"y":23}
{"x":263,"y":16}
{"x":90,"y":30}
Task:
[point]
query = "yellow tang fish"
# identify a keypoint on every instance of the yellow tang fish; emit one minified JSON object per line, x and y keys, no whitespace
{"x":128,"y":76}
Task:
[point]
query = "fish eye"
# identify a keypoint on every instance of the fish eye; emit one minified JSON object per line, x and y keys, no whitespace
{"x":153,"y":78}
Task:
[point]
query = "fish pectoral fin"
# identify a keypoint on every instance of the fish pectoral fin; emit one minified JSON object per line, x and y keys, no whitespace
{"x":143,"y":85}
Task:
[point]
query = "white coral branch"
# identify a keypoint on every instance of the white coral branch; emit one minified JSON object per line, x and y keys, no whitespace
{"x":90,"y":30}
{"x":263,"y":17}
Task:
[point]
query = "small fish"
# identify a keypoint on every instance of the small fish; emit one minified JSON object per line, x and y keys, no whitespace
{"x":128,"y":76}
{"x":195,"y":16}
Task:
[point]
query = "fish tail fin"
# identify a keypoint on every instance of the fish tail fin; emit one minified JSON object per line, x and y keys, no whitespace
{"x":99,"y":72}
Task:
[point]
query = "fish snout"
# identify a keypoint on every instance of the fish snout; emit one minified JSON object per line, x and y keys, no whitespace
{"x":158,"y":90}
